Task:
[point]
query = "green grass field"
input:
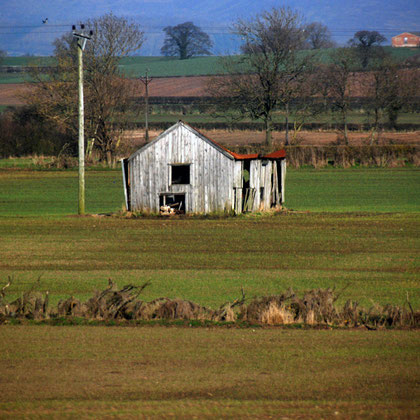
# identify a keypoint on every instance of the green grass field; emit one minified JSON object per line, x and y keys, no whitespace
{"x":352,"y":227}
{"x":170,"y":66}
{"x":52,"y":193}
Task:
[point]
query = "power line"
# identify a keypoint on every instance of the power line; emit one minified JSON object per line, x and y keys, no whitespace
{"x":337,"y":34}
{"x":32,"y":26}
{"x":31,"y":33}
{"x":225,"y":28}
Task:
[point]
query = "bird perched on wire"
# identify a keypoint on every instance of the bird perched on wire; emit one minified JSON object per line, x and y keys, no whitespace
{"x":44,"y":21}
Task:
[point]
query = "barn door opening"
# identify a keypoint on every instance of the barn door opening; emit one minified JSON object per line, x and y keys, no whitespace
{"x":172,"y":203}
{"x":248,"y":193}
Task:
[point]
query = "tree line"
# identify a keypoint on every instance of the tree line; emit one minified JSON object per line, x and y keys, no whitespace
{"x":271,"y":74}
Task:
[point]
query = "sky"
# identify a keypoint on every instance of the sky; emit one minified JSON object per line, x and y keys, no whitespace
{"x":22,"y":30}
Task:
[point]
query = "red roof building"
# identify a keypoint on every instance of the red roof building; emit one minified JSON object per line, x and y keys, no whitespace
{"x":406,"y":39}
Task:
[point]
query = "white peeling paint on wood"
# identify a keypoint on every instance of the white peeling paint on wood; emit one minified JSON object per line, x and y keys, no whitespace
{"x":254,"y":183}
{"x":210,"y":185}
{"x":216,"y":179}
{"x":283,"y":181}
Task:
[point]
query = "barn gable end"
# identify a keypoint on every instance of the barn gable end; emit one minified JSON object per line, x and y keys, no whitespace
{"x":406,"y":39}
{"x":184,"y":170}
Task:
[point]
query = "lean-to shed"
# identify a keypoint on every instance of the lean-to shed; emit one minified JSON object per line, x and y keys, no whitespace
{"x":184,"y":170}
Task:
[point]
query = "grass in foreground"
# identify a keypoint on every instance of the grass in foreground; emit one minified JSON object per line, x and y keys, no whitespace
{"x":208,"y":261}
{"x":162,"y":372}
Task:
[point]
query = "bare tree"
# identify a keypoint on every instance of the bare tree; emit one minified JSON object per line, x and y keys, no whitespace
{"x":368,"y":45}
{"x":382,"y":87}
{"x":394,"y":90}
{"x":318,"y":36}
{"x":270,"y":70}
{"x":293,"y":85}
{"x":185,"y":41}
{"x":337,"y":81}
{"x":107,"y":92}
{"x":307,"y":103}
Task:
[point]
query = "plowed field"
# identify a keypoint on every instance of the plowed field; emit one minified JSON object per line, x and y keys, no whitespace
{"x":10,"y":94}
{"x":185,"y":87}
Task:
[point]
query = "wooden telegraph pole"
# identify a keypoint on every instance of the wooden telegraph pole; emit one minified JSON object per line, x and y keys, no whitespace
{"x":146,"y":80}
{"x":81,"y":43}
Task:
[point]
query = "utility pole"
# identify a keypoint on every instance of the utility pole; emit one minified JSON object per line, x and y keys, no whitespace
{"x":81,"y":43}
{"x":146,"y":80}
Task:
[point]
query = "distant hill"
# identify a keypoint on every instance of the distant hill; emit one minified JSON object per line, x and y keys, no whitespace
{"x":24,"y":33}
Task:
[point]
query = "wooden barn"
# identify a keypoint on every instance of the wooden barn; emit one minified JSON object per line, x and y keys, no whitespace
{"x":183,"y":171}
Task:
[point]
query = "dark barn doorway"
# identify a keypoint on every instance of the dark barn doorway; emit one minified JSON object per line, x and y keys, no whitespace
{"x":175,"y":201}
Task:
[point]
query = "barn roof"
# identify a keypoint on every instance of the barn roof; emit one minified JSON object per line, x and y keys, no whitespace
{"x":416,"y":33}
{"x":231,"y":155}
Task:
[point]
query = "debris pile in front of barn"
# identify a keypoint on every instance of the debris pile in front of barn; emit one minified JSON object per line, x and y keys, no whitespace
{"x":316,"y":307}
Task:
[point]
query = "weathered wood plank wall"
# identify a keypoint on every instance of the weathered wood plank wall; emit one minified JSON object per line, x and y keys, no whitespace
{"x":211,"y":173}
{"x":216,"y":178}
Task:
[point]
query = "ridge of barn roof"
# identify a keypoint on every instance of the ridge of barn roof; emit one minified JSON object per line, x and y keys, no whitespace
{"x":188,"y":127}
{"x":273,"y":155}
{"x":416,"y":33}
{"x":228,"y":153}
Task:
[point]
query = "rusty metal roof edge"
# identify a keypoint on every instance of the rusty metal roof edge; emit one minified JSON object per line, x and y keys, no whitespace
{"x":277,"y":154}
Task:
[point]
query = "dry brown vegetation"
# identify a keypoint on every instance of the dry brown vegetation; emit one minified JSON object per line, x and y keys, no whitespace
{"x":238,"y":138}
{"x":316,"y":149}
{"x":349,"y":156}
{"x":316,"y":307}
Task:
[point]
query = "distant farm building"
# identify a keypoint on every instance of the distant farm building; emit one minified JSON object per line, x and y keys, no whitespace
{"x":407,"y":39}
{"x":183,"y":171}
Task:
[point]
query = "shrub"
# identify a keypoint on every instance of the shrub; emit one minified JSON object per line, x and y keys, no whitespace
{"x":316,"y":307}
{"x":23,"y":132}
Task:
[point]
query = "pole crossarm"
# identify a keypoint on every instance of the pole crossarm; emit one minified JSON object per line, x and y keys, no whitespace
{"x":77,"y":35}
